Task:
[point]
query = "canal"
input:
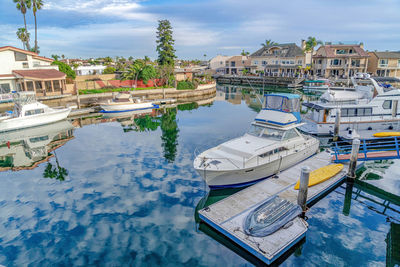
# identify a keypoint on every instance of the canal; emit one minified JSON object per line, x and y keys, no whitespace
{"x":122,"y":191}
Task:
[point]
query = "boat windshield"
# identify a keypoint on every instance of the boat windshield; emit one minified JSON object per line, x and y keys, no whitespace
{"x":266,"y":132}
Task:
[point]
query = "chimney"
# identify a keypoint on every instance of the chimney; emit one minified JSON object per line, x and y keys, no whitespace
{"x":303,"y":44}
{"x":362,"y":45}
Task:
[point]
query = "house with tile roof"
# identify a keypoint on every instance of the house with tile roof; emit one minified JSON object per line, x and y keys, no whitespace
{"x":22,"y":70}
{"x":339,"y":60}
{"x":384,"y":64}
{"x":280,"y":59}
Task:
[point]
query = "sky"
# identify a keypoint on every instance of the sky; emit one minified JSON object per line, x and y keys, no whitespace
{"x":99,"y":28}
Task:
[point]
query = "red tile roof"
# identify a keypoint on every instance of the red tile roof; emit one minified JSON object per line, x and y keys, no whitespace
{"x":49,"y":74}
{"x":330,"y":51}
{"x":33,"y":54}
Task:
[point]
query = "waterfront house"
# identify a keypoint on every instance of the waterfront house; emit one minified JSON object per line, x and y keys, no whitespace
{"x":339,"y":61}
{"x":237,"y":64}
{"x":384,"y":64}
{"x":217,"y":64}
{"x":184,"y":74}
{"x":90,"y":70}
{"x":280,"y":59}
{"x":22,"y":70}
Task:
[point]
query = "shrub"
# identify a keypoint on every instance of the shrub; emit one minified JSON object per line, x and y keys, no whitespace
{"x":109,"y":70}
{"x":65,"y":68}
{"x":185,"y":85}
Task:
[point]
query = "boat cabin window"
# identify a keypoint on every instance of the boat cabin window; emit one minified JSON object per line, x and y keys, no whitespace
{"x":34,"y":112}
{"x":255,"y":130}
{"x":39,"y":139}
{"x":273,"y":134}
{"x":271,"y":152}
{"x":387,"y":104}
{"x":353,"y":112}
{"x":290,"y":134}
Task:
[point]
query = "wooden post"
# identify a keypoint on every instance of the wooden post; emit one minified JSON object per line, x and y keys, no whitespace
{"x":337,"y":125}
{"x":353,"y":159}
{"x":347,"y":198}
{"x":303,"y":189}
{"x":395,"y":103}
{"x":78,"y":100}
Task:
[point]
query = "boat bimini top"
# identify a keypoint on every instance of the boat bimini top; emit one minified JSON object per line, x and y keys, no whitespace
{"x":280,"y":110}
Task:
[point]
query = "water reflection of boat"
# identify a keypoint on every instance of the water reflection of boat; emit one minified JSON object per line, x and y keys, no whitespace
{"x":29,"y":113}
{"x":272,"y":144}
{"x":26,"y":149}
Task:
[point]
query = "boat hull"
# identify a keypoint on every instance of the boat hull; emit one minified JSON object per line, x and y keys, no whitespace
{"x":247,"y":176}
{"x":127,"y":107}
{"x":34,"y":120}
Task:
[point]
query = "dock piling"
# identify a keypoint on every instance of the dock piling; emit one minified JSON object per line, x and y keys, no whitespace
{"x":394,"y":108}
{"x":337,"y":125}
{"x":353,"y":159}
{"x":303,"y":189}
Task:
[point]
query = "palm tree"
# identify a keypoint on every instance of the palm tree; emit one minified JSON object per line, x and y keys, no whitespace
{"x":268,"y":43}
{"x":36,"y":5}
{"x":55,"y":57}
{"x":133,"y":71}
{"x":146,"y":59}
{"x":23,"y":36}
{"x":23,"y":5}
{"x":311,"y":43}
{"x":244,"y":53}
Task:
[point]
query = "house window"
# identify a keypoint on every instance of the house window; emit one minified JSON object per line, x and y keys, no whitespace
{"x":299,"y":62}
{"x":341,"y":51}
{"x":320,"y":61}
{"x":39,"y":88}
{"x":355,"y":63}
{"x":233,"y":63}
{"x":5,"y":88}
{"x":221,"y":63}
{"x":292,"y":62}
{"x":387,"y":104}
{"x":29,"y":86}
{"x":25,"y":65}
{"x":255,"y":62}
{"x":383,"y":63}
{"x":336,"y":62}
{"x":57,"y":86}
{"x":264,"y":63}
{"x":351,"y":51}
{"x":36,"y":63}
{"x":47,"y":85}
{"x":20,"y":56}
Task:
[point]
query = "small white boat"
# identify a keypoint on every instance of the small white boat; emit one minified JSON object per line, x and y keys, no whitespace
{"x":29,"y":113}
{"x":125,"y":102}
{"x":271,"y":145}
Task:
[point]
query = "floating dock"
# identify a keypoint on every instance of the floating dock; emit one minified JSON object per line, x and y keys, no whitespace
{"x":227,"y":216}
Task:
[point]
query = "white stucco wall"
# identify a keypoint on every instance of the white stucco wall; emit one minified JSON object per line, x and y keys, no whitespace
{"x":89,"y":70}
{"x":218,"y":62}
{"x":8,"y":63}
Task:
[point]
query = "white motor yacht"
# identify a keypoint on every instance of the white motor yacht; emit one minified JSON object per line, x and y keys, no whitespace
{"x":123,"y":102}
{"x":369,"y":107}
{"x":272,"y":144}
{"x":29,"y":113}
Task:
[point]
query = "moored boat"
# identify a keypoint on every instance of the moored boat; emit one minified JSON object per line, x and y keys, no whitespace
{"x":29,"y":113}
{"x":123,"y":102}
{"x":272,"y":144}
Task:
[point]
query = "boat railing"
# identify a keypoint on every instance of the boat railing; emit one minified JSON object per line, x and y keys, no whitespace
{"x":368,"y":146}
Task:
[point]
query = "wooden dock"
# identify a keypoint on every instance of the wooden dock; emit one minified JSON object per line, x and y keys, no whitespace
{"x":227,"y":215}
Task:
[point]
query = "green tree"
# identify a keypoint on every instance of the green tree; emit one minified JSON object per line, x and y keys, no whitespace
{"x":146,"y":60}
{"x":133,"y":71}
{"x":63,"y":67}
{"x":109,"y":70}
{"x":244,"y":53}
{"x":148,"y":73}
{"x":311,"y":43}
{"x":56,"y":172}
{"x":36,"y":5}
{"x":169,"y":136}
{"x":146,"y":123}
{"x":165,"y":44}
{"x":55,"y":57}
{"x":23,"y":5}
{"x":130,"y":58}
{"x":268,"y":43}
{"x":24,"y":36}
{"x":108,"y":60}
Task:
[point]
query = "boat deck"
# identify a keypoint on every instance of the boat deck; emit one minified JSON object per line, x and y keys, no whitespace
{"x":227,"y":215}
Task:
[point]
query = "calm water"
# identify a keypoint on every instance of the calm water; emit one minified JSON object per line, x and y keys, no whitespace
{"x":123,"y":192}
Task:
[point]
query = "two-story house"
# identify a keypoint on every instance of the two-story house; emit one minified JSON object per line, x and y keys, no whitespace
{"x":340,"y":60}
{"x":384,"y":64}
{"x":22,"y":70}
{"x":237,"y":64}
{"x":217,"y":64}
{"x":280,"y":59}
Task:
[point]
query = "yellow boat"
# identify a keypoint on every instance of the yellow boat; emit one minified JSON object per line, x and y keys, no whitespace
{"x":322,"y":174}
{"x":386,"y":134}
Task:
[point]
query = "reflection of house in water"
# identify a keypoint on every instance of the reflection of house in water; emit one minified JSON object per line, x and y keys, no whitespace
{"x":26,"y":149}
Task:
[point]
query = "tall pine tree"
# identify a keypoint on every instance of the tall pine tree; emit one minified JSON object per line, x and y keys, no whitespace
{"x":165,"y":44}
